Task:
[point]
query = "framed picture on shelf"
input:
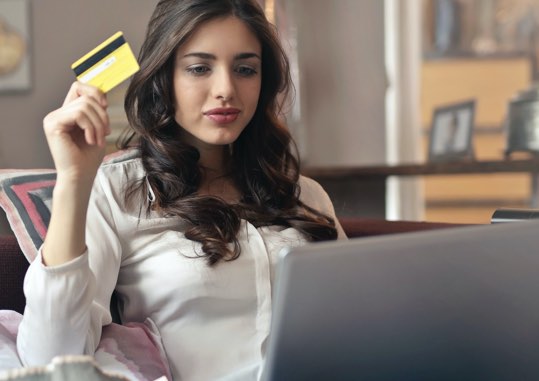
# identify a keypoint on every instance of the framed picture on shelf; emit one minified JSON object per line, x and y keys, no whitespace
{"x":14,"y":45}
{"x":451,"y":132}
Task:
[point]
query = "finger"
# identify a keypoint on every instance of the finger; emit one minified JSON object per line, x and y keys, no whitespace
{"x":97,"y":109}
{"x":95,"y":119}
{"x":71,"y":124}
{"x":92,"y":127}
{"x":79,"y":89}
{"x":89,"y":132}
{"x":93,"y":92}
{"x":84,"y":113}
{"x":85,"y":124}
{"x":100,"y":118}
{"x":72,"y":94}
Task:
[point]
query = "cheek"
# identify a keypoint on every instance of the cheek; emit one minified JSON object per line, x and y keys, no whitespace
{"x":253,"y":92}
{"x":186,"y":97}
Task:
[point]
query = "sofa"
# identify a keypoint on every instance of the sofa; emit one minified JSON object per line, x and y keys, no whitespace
{"x":13,"y":264}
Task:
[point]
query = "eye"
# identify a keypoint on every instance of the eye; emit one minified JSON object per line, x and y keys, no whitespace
{"x":198,"y":70}
{"x":246,"y":71}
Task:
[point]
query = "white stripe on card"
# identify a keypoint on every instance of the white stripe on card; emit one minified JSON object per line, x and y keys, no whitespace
{"x":97,"y":70}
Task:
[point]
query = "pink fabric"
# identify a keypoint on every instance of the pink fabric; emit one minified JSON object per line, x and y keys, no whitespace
{"x":133,"y":350}
{"x":136,"y":346}
{"x":9,"y":326}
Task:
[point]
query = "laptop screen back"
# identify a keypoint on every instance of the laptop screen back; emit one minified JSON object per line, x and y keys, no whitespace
{"x":460,"y":303}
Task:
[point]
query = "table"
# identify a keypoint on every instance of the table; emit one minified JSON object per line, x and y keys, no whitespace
{"x":361,"y":190}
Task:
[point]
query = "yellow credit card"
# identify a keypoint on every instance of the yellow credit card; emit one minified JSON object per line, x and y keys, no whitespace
{"x":108,"y":65}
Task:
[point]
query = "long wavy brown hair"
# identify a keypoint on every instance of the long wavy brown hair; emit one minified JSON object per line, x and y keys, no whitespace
{"x":264,"y":167}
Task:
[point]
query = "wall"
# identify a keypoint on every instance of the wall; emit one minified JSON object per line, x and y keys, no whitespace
{"x":342,"y":80}
{"x":340,"y":61}
{"x":62,"y":31}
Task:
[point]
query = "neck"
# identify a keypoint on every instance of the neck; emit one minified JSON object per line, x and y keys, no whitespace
{"x":215,"y":175}
{"x":214,"y":162}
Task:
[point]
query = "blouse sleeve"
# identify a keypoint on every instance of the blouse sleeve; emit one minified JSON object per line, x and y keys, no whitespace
{"x":313,"y":195}
{"x":67,"y":305}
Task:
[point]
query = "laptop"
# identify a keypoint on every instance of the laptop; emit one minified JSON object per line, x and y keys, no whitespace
{"x":451,"y":304}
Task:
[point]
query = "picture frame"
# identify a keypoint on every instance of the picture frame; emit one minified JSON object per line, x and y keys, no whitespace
{"x":15,"y":65}
{"x":451,"y":132}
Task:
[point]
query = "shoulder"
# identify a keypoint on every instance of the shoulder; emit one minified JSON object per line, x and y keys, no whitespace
{"x":309,"y":185}
{"x":117,"y":173}
{"x":122,"y":165}
{"x":314,"y":195}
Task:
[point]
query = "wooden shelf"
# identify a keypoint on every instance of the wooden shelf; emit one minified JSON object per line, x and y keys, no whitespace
{"x":360,"y":191}
{"x":456,"y":168}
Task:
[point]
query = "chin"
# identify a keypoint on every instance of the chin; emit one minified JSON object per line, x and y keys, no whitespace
{"x":224,"y":139}
{"x":223,"y":142}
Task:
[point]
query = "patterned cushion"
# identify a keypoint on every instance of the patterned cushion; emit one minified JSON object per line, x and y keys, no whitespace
{"x":26,"y":196}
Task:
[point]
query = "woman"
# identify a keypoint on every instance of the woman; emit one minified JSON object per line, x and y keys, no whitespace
{"x":187,"y":228}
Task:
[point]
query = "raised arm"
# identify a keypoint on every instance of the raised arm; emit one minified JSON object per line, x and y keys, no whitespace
{"x":65,"y":306}
{"x":76,"y":136}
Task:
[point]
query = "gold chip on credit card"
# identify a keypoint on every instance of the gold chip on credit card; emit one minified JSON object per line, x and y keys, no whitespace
{"x":108,"y":64}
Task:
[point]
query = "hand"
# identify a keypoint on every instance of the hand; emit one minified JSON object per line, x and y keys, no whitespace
{"x":76,"y":133}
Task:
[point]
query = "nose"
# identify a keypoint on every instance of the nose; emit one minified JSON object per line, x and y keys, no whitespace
{"x":224,"y":87}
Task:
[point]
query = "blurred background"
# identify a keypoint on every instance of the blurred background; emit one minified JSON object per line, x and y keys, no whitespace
{"x":368,"y":76}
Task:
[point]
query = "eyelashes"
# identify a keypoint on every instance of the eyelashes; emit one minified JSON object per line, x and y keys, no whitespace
{"x":246,"y":71}
{"x":198,"y":70}
{"x":203,"y":70}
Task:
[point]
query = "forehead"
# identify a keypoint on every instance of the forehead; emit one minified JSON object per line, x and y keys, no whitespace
{"x":221,"y":36}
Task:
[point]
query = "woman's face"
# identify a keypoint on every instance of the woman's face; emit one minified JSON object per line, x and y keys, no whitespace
{"x":217,"y":79}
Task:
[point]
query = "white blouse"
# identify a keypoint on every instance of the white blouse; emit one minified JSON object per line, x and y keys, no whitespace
{"x":213,"y":321}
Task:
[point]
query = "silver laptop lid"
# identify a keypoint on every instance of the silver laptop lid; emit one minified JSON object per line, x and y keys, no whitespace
{"x":452,"y":304}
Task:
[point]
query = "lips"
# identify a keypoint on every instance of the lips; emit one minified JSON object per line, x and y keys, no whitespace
{"x":223,"y":115}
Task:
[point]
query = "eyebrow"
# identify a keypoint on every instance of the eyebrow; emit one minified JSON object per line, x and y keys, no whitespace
{"x":208,"y":56}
